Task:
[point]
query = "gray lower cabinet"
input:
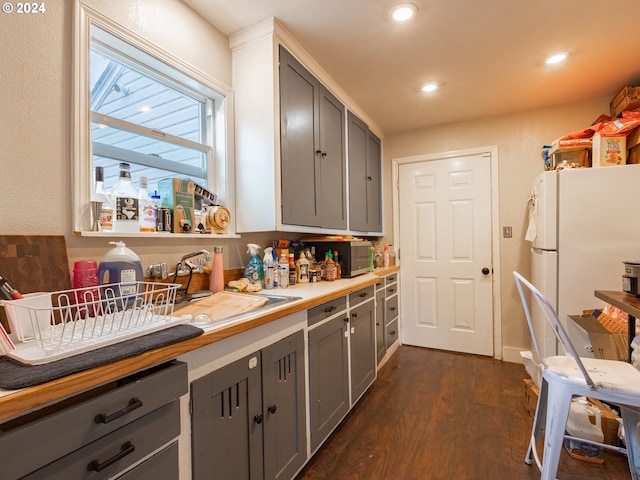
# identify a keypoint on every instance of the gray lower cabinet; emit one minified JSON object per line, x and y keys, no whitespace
{"x":313,"y":153}
{"x":248,"y":418}
{"x":365,"y":177}
{"x":362,"y":339}
{"x":328,"y":376}
{"x":339,"y":336}
{"x":102,"y":433}
{"x":381,"y":344}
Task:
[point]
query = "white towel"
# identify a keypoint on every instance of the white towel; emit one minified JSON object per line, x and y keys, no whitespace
{"x":533,"y":218}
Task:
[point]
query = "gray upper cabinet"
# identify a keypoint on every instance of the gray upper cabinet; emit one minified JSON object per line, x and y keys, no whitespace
{"x":365,"y":182}
{"x":312,"y":140}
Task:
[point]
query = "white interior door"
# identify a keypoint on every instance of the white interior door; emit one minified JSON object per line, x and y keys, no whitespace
{"x":445,"y":240}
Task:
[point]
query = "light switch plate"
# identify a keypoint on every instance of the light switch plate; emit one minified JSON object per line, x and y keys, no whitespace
{"x":507,"y":232}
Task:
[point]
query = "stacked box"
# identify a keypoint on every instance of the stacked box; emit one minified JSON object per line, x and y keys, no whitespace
{"x":609,"y":150}
{"x":178,"y":195}
{"x":628,"y":98}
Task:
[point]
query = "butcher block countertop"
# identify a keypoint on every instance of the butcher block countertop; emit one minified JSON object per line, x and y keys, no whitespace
{"x":15,"y":402}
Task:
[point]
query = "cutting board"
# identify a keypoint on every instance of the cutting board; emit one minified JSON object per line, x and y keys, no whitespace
{"x":34,"y":263}
{"x":223,"y":304}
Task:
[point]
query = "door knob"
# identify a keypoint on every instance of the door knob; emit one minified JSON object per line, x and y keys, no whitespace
{"x":485,"y":271}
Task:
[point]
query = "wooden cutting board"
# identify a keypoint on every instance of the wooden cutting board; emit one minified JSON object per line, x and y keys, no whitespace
{"x":34,"y":263}
{"x":223,"y":304}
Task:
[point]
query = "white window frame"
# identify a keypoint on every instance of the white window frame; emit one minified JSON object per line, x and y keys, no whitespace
{"x":220,"y":169}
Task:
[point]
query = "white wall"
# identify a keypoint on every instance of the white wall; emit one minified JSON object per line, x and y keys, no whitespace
{"x":36,"y":118}
{"x":519,"y":139}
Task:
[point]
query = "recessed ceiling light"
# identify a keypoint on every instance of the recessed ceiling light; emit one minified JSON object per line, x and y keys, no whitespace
{"x":429,"y":87}
{"x":556,"y":58}
{"x":403,"y":12}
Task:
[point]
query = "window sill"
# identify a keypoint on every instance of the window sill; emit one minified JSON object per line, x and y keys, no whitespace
{"x":193,"y":236}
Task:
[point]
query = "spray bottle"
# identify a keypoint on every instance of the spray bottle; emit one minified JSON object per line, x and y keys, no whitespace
{"x":269,"y":265}
{"x":254,"y":271}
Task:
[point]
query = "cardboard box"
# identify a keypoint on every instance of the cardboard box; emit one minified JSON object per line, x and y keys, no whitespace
{"x":627,"y":98}
{"x":610,"y":346}
{"x":607,"y":151}
{"x":178,"y":195}
{"x":531,"y":393}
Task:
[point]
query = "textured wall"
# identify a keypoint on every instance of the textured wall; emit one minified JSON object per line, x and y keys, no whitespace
{"x":519,"y":139}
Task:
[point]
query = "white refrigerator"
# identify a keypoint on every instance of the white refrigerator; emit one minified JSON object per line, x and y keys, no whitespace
{"x":584,"y":223}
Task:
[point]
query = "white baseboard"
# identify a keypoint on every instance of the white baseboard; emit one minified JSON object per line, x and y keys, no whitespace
{"x":512,"y":354}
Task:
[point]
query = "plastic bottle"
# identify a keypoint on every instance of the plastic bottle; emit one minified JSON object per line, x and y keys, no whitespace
{"x":292,"y":269}
{"x":157,"y":205}
{"x":254,"y":271}
{"x":216,"y":277}
{"x":302,"y":269}
{"x":99,"y":195}
{"x":329,"y":267}
{"x":121,"y":265}
{"x":146,"y":209}
{"x":283,"y":270}
{"x":371,"y":249}
{"x":578,"y":425}
{"x":269,"y":265}
{"x":85,"y":276}
{"x":385,"y":256}
{"x":125,"y":200}
{"x":338,"y":266}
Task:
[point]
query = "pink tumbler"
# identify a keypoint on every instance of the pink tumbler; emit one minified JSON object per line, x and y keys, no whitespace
{"x":85,"y":284}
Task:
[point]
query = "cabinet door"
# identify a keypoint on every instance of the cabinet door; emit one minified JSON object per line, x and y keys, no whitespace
{"x":331,"y":185}
{"x":374,"y":183}
{"x":363,"y":349}
{"x":365,"y":183}
{"x":226,"y":422}
{"x":357,"y":148}
{"x":328,"y":378}
{"x":299,"y":142}
{"x":285,"y":449}
{"x":381,"y":346}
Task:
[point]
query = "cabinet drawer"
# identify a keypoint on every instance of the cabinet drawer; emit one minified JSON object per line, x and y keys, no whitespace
{"x":391,"y":307}
{"x":392,"y":289}
{"x":392,"y":332}
{"x":117,"y":451}
{"x":64,"y":427}
{"x":164,"y":465}
{"x":389,"y":279}
{"x":326,"y":310}
{"x":360,"y":296}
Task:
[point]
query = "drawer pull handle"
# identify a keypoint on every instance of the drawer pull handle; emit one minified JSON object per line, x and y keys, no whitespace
{"x":392,"y":308}
{"x":126,"y":449}
{"x":330,"y":309}
{"x":258,"y":419}
{"x":392,"y":332}
{"x":134,"y":403}
{"x":363,"y":295}
{"x":392,"y":290}
{"x":272,"y":409}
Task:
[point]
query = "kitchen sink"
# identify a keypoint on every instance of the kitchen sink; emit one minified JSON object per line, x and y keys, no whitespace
{"x":202,"y":320}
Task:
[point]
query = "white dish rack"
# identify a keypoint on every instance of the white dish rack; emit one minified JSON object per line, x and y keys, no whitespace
{"x":50,"y":326}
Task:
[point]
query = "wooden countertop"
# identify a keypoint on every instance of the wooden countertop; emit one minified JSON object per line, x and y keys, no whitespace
{"x":13,"y":403}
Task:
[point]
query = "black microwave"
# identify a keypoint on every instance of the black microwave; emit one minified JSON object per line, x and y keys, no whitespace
{"x":353,"y":255}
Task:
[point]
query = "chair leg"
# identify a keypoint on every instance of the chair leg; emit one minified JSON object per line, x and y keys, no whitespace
{"x":631,"y":421}
{"x":558,"y":405}
{"x":539,"y":420}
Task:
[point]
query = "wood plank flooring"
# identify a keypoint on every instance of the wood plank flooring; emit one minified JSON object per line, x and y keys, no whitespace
{"x":435,"y":415}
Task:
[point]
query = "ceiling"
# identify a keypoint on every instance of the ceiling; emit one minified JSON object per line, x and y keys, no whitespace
{"x":487,"y":56}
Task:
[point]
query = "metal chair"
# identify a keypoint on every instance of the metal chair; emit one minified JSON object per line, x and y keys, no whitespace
{"x":568,"y":375}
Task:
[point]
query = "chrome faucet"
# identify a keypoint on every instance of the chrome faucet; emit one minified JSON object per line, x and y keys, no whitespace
{"x":184,"y":266}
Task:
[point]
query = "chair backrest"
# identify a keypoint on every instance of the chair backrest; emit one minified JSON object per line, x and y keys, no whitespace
{"x":551,"y":319}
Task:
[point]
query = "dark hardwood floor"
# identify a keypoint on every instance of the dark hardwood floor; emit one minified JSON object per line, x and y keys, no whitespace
{"x":438,"y":415}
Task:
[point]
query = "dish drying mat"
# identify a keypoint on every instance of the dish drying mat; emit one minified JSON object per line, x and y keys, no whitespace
{"x":15,"y":375}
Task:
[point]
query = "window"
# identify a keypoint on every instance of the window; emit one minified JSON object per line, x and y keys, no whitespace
{"x":139,"y":105}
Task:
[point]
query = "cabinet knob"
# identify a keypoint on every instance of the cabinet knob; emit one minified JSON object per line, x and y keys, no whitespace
{"x":324,"y":154}
{"x":272,"y":409}
{"x":363,"y":295}
{"x":392,"y":309}
{"x":392,"y":332}
{"x":354,"y":314}
{"x":485,"y":271}
{"x":318,"y":152}
{"x":258,"y":419}
{"x":346,"y":319}
{"x":369,"y":178}
{"x":330,"y":309}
